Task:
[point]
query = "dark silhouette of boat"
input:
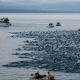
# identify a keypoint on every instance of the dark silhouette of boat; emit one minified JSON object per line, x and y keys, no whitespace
{"x":4,"y":22}
{"x":58,"y":24}
{"x":50,"y":25}
{"x":78,"y":29}
{"x":42,"y":77}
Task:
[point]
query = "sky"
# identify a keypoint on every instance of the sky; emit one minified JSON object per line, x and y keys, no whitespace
{"x":45,"y":5}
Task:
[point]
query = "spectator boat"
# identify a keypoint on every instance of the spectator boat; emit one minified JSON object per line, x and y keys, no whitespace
{"x":4,"y":22}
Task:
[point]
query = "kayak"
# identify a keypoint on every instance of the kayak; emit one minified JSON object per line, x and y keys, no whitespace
{"x":43,"y":77}
{"x":38,"y":79}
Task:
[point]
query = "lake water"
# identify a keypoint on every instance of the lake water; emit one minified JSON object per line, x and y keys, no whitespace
{"x":31,"y":22}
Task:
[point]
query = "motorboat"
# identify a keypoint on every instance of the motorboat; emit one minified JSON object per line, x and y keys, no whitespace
{"x":58,"y":24}
{"x":4,"y":22}
{"x":50,"y":25}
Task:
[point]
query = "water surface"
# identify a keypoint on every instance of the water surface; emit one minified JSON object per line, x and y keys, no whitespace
{"x":31,"y":22}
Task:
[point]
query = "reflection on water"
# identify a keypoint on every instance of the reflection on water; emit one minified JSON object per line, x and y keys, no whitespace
{"x":28,"y":22}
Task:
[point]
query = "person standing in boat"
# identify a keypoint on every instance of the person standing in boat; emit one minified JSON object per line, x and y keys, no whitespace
{"x":50,"y":76}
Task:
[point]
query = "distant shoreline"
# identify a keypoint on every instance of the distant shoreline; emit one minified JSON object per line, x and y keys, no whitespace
{"x":36,"y":11}
{"x":46,"y":12}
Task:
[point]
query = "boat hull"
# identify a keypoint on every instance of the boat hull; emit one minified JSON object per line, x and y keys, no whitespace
{"x":5,"y":24}
{"x":44,"y":77}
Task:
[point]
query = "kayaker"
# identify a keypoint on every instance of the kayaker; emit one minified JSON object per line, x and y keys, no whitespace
{"x":37,"y":75}
{"x":50,"y":76}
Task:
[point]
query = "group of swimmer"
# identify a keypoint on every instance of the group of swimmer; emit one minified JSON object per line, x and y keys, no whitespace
{"x":50,"y":76}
